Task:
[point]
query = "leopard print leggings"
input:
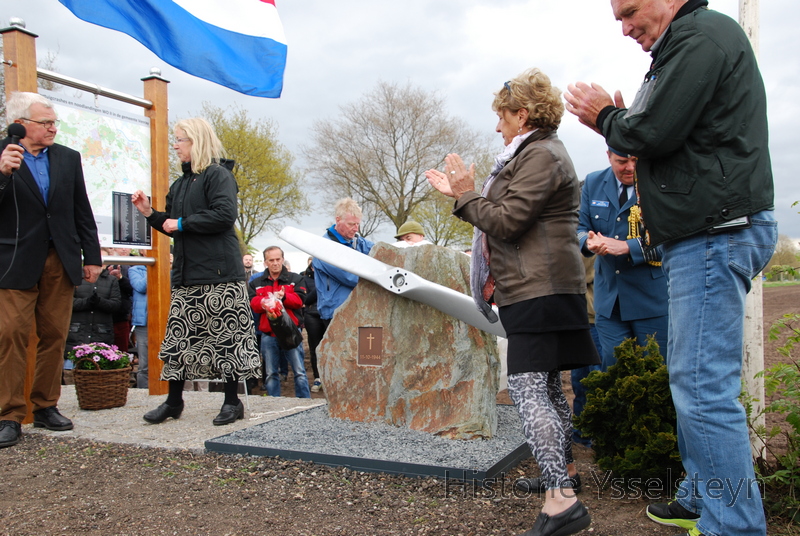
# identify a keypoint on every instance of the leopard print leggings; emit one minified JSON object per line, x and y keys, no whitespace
{"x":546,"y":421}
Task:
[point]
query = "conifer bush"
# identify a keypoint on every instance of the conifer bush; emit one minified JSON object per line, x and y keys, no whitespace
{"x":630,"y":418}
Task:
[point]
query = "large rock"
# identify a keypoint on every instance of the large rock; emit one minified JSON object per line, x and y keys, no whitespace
{"x":436,"y":374}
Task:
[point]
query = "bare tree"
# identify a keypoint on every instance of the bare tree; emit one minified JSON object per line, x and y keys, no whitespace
{"x":786,"y":253}
{"x":48,"y":62}
{"x":269,"y":190}
{"x":436,"y":213}
{"x":379,"y":147}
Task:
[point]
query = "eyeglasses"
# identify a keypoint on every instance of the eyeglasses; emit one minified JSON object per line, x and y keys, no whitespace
{"x":45,"y":124}
{"x":181,"y":140}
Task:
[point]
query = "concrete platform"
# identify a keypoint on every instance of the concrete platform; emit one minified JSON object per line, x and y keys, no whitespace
{"x":125,"y":424}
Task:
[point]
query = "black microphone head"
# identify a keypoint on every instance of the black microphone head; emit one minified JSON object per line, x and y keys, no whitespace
{"x":16,"y":131}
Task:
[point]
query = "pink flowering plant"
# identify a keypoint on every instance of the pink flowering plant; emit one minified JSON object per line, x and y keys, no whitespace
{"x":107,"y":356}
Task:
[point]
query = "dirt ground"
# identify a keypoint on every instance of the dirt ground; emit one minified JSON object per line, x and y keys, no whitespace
{"x":58,"y":486}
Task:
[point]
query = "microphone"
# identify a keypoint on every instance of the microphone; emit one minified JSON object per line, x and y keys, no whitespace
{"x":16,"y":131}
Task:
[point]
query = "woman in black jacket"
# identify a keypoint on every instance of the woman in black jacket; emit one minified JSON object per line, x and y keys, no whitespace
{"x":93,"y":306}
{"x":210,"y":328}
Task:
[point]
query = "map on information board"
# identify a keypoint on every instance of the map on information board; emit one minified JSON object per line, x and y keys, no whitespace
{"x":115,"y":152}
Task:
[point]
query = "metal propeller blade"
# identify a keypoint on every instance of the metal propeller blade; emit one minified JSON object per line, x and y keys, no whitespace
{"x":395,"y":280}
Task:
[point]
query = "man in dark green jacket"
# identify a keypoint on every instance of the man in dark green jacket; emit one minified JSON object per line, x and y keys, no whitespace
{"x":699,"y":127}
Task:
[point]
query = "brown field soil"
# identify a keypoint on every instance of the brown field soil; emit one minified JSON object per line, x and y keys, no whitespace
{"x":71,"y":486}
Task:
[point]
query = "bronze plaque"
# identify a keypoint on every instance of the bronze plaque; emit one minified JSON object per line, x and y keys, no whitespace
{"x":370,"y":346}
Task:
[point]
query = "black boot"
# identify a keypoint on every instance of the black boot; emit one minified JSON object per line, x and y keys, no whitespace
{"x":229,"y":413}
{"x":162,"y":412}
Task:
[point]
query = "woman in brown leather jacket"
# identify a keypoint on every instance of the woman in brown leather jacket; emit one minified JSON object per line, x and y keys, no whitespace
{"x":525,"y":255}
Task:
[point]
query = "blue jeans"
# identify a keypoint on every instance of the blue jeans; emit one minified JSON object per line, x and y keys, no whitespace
{"x":613,"y":330}
{"x":708,"y":277}
{"x":272,"y":354}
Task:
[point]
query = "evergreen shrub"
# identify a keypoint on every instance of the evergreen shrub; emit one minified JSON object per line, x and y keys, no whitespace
{"x":630,"y":418}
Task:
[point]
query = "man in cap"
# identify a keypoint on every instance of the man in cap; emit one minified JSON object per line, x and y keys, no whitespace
{"x":410,"y":234}
{"x":630,"y":290}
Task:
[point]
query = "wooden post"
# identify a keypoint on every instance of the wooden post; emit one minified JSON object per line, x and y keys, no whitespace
{"x":753,"y":359}
{"x":19,"y":53}
{"x":158,"y":281}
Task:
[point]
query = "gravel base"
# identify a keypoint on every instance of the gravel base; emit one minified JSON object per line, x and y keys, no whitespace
{"x":314,"y":432}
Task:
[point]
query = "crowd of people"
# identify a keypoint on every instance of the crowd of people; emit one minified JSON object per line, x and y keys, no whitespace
{"x":673,"y":230}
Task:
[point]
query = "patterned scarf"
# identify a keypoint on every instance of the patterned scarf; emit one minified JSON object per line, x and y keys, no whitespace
{"x":480,"y":277}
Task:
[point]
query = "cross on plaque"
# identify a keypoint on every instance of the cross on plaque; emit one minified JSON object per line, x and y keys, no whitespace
{"x":370,"y":346}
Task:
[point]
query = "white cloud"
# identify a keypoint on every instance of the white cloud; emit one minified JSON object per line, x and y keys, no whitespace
{"x":465,"y":49}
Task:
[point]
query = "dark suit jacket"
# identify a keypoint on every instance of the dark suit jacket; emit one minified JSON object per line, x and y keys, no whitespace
{"x":67,"y":219}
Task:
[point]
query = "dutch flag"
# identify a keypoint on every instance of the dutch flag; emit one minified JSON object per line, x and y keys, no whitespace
{"x":236,"y":43}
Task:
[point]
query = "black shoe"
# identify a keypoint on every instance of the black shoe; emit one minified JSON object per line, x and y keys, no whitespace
{"x":539,"y":485}
{"x":162,"y":412}
{"x":10,"y":433}
{"x":51,"y":419}
{"x":572,"y":520}
{"x":672,"y":514}
{"x":229,"y":413}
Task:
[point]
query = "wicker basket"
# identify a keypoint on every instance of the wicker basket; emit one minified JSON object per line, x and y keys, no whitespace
{"x":101,"y":389}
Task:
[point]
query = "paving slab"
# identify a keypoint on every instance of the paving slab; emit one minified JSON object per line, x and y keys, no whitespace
{"x":190,"y":432}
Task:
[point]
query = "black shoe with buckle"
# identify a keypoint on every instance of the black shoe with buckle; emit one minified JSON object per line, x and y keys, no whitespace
{"x":229,"y":413}
{"x":162,"y":413}
{"x":10,"y":433}
{"x":51,"y":419}
{"x":539,"y":485}
{"x":572,"y":520}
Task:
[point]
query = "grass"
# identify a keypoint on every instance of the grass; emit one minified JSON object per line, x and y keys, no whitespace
{"x":780,"y":283}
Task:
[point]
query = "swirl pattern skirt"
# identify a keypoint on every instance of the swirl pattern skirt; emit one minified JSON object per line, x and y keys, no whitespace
{"x":210,"y":334}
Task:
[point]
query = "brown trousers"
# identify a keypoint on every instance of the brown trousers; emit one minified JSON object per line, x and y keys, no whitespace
{"x":49,"y":304}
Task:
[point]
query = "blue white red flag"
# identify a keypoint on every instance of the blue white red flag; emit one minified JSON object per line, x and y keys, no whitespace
{"x":236,"y":43}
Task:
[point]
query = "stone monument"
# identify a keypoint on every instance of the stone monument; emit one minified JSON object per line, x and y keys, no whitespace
{"x":387,"y":358}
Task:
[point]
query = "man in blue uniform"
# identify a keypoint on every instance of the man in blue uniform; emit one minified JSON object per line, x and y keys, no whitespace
{"x":630,"y":291}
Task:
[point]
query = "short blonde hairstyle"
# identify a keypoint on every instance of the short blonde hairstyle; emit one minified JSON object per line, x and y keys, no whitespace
{"x":347,"y":206}
{"x":533,"y":91}
{"x":206,"y":147}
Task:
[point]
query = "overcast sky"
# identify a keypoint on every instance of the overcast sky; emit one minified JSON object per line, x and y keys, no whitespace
{"x":464,"y":49}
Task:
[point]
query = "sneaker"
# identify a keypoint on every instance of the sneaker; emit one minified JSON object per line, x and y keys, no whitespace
{"x":692,"y":532}
{"x":673,"y":514}
{"x":317,"y":387}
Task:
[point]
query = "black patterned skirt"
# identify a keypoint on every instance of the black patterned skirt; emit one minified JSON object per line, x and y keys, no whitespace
{"x":210,"y":334}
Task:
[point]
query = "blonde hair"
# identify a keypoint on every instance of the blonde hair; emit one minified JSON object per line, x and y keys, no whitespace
{"x":533,"y":91}
{"x":347,"y":206}
{"x":206,"y":147}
